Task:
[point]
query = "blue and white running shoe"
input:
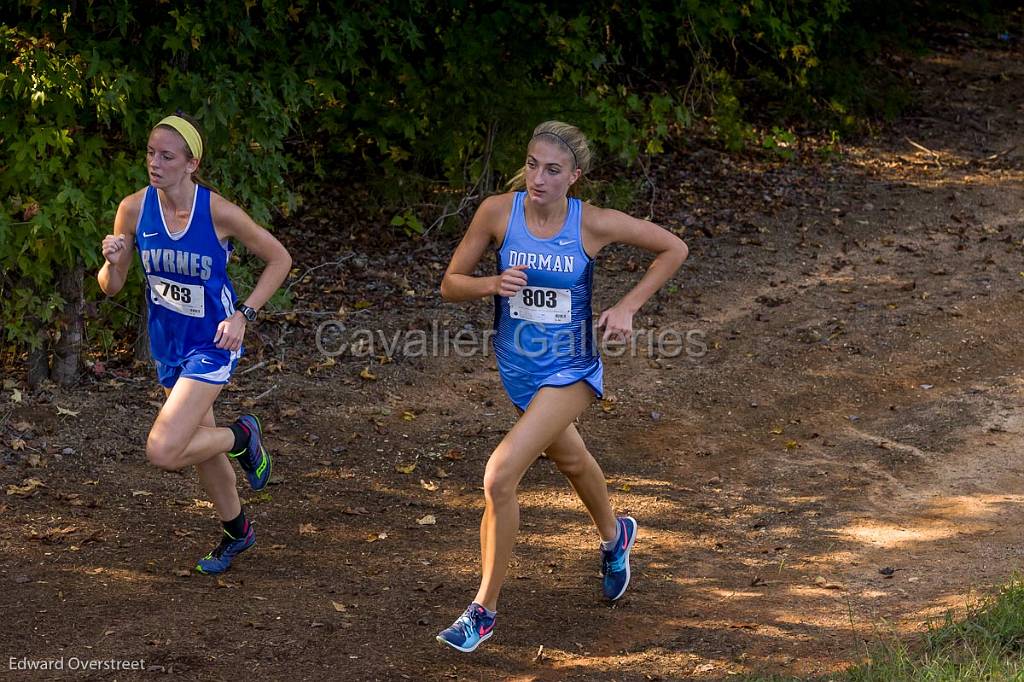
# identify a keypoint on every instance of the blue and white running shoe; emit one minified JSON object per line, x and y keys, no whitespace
{"x":615,"y":562}
{"x":469,"y":630}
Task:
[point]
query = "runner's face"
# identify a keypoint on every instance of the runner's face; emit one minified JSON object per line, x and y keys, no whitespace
{"x":167,"y":158}
{"x":549,"y":172}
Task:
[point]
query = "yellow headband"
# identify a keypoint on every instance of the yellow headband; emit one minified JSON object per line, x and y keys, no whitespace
{"x":188,"y":131}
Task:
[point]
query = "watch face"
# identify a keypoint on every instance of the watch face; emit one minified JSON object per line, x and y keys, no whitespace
{"x":248,"y":313}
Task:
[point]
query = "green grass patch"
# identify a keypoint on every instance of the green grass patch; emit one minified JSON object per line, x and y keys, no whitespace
{"x":985,"y":644}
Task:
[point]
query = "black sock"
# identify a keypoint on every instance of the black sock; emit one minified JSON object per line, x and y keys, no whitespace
{"x":236,"y":527}
{"x":241,"y":437}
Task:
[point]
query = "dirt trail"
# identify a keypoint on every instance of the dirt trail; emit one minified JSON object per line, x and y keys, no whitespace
{"x":857,"y":410}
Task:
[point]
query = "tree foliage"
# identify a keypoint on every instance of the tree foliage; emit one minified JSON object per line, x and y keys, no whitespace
{"x":290,"y":92}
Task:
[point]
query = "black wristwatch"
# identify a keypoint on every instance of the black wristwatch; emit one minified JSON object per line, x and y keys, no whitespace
{"x":247,"y":312}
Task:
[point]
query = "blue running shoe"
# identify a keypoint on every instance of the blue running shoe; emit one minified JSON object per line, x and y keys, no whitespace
{"x":254,"y":459}
{"x":219,"y":560}
{"x":472,"y":627}
{"x":615,"y":562}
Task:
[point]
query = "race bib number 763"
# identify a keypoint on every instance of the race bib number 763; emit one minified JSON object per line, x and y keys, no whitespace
{"x":186,"y":299}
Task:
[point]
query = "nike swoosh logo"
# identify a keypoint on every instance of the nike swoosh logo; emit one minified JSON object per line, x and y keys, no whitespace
{"x":484,"y":631}
{"x":205,"y":361}
{"x":566,"y":242}
{"x":624,"y":543}
{"x":147,"y":234}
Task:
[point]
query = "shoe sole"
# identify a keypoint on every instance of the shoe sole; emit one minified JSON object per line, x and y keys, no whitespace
{"x":629,"y":548}
{"x":480,"y":641}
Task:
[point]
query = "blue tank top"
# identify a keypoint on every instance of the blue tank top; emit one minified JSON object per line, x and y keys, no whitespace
{"x":547,"y":327}
{"x":187,"y":283}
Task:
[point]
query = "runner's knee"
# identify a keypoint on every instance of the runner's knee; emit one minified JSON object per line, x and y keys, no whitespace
{"x":573,"y":465}
{"x":499,"y":484}
{"x":163,"y":453}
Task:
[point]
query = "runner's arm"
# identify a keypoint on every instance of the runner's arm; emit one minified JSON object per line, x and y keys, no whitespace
{"x":459,"y":282}
{"x":231,"y":221}
{"x":607,"y":226}
{"x":119,"y":248}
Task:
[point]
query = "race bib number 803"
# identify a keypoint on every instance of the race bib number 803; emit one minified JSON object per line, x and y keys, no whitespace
{"x":186,"y":299}
{"x":541,"y":304}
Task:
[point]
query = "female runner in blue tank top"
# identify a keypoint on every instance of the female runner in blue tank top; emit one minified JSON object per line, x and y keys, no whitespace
{"x":546,"y":244}
{"x":181,"y":231}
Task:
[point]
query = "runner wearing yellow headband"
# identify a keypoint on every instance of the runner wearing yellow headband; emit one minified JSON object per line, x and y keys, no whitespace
{"x":182,"y":231}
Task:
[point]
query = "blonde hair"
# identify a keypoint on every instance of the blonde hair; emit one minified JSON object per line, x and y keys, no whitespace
{"x":566,"y":136}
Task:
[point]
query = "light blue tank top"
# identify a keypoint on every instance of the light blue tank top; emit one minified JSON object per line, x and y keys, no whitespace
{"x":547,"y":327}
{"x":187,"y":283}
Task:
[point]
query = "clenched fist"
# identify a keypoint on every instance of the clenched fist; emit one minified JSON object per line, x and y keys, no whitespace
{"x":114,"y":249}
{"x":511,"y":281}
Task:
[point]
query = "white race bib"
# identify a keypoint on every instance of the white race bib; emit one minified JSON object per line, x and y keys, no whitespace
{"x":186,"y":299}
{"x":541,"y":304}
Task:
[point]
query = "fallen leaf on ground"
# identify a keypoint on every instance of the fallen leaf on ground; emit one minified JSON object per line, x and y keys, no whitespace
{"x":62,"y":410}
{"x":17,"y":444}
{"x":368,"y":375}
{"x":27,"y":488}
{"x":22,"y":426}
{"x":428,"y":485}
{"x":307,"y":529}
{"x":143,"y":493}
{"x":15,"y":396}
{"x":428,"y":520}
{"x":405,"y":468}
{"x":356,"y":511}
{"x":454,"y":454}
{"x":337,"y":606}
{"x":820,"y":581}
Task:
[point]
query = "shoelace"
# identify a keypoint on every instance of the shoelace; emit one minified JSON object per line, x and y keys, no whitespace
{"x":225,"y":542}
{"x":469,"y":620}
{"x":612,"y":560}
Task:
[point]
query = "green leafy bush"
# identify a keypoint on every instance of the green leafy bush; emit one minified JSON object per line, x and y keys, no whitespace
{"x":298,"y":92}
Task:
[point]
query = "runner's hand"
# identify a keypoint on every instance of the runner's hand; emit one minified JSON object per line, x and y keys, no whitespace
{"x":511,"y":281}
{"x":230,"y":332}
{"x":114,"y":249}
{"x":617,"y":323}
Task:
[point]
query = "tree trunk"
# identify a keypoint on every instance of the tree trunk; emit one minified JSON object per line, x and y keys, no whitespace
{"x":142,"y":338}
{"x":68,"y":351}
{"x":37,"y":367}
